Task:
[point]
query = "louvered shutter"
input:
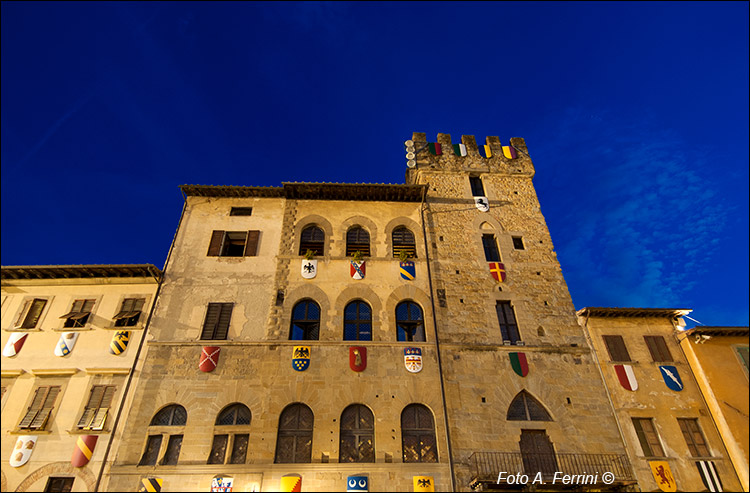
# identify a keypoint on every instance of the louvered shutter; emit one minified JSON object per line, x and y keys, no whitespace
{"x":34,"y":312}
{"x":212,"y":318}
{"x":616,"y":348}
{"x":222,"y":328}
{"x":41,"y":418}
{"x":36,"y":405}
{"x":214,"y":248}
{"x":251,"y":246}
{"x":97,"y":392}
{"x":23,"y":313}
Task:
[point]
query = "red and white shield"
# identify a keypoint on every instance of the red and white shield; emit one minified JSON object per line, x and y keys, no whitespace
{"x":357,"y":358}
{"x":627,"y":377}
{"x":22,"y":451}
{"x":14,"y":344}
{"x":209,"y":358}
{"x":357,"y":269}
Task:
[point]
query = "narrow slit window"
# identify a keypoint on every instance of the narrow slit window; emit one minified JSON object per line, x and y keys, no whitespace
{"x":491,"y":252}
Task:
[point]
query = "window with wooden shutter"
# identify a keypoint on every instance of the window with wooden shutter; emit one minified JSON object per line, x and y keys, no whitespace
{"x":214,"y":247}
{"x":251,"y":248}
{"x":403,"y":241}
{"x":694,"y":438}
{"x":312,"y":238}
{"x":30,"y":314}
{"x":657,"y":346}
{"x":491,"y":252}
{"x":79,"y":313}
{"x":216,"y":324}
{"x":650,"y":444}
{"x":130,"y":312}
{"x":616,"y":348}
{"x":41,"y":408}
{"x":357,"y":239}
{"x":95,"y":413}
{"x":153,"y":444}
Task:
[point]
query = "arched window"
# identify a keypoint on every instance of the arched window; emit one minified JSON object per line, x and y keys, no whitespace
{"x":409,"y":322}
{"x":305,"y":321}
{"x":418,"y":434}
{"x":357,"y":321}
{"x":357,"y":239}
{"x":356,"y":435}
{"x":294,"y":441}
{"x":231,"y":426}
{"x":525,"y":408}
{"x":172,"y":415}
{"x":312,"y":238}
{"x":403,"y":241}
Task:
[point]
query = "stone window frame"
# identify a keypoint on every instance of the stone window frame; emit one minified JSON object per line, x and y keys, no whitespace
{"x":90,"y":320}
{"x":352,"y":246}
{"x":358,"y":321}
{"x":165,"y":434}
{"x":424,"y":325}
{"x":23,"y":311}
{"x":414,"y":227}
{"x":527,"y":398}
{"x":643,"y":439}
{"x":691,"y":435}
{"x":357,"y":433}
{"x":365,"y":223}
{"x":418,"y":431}
{"x":46,"y":381}
{"x":231,"y":431}
{"x":312,"y":220}
{"x":308,"y":321}
{"x":297,"y":433}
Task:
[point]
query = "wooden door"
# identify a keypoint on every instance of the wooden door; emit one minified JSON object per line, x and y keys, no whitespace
{"x":537,"y":452}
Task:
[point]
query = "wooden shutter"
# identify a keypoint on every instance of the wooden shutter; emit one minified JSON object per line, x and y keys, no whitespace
{"x":35,"y":407}
{"x":35,"y":311}
{"x":214,"y":248}
{"x":616,"y":348}
{"x":657,"y":346}
{"x":251,"y":246}
{"x":49,"y":401}
{"x":222,"y":328}
{"x":212,"y":318}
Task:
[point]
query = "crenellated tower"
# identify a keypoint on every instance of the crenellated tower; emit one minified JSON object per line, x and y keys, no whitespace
{"x":507,"y":329}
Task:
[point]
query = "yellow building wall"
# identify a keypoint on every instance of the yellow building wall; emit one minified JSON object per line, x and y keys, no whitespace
{"x":723,"y":379}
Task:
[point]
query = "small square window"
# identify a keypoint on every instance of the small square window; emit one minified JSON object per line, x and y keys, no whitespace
{"x":234,"y":244}
{"x":518,"y":243}
{"x":241,"y":211}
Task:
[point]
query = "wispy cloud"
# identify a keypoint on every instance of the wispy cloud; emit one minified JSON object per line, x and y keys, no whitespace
{"x":641,"y":215}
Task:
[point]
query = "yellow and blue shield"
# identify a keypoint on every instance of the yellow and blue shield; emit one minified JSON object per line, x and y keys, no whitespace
{"x":119,"y":341}
{"x":408,"y":271}
{"x":301,"y":358}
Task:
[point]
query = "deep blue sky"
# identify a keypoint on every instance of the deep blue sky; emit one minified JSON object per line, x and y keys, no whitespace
{"x":635,"y":114}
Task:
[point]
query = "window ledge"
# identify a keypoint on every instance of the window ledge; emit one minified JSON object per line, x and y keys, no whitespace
{"x":54,"y":371}
{"x":79,"y":431}
{"x":131,"y":327}
{"x":29,"y":432}
{"x":108,"y":371}
{"x":71,"y":329}
{"x":11,"y":373}
{"x":19,"y":329}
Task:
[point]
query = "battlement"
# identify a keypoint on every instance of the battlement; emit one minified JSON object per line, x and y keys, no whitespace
{"x":490,"y":157}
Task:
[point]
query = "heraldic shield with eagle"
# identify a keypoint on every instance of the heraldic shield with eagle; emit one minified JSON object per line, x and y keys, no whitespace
{"x":301,"y":358}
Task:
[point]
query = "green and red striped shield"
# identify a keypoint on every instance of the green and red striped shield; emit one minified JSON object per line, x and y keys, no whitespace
{"x":84,"y":450}
{"x":519,"y":363}
{"x":435,"y":148}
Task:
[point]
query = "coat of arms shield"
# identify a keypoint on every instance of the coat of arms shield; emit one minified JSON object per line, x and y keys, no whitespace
{"x":119,"y":341}
{"x":151,"y":485}
{"x":626,"y":377}
{"x":309,"y":268}
{"x":424,"y":483}
{"x":663,"y":475}
{"x":290,"y":482}
{"x":222,"y":484}
{"x":519,"y":364}
{"x":356,"y":484}
{"x":22,"y":451}
{"x":66,"y":343}
{"x":671,"y":377}
{"x":209,"y":358}
{"x":301,"y":358}
{"x":357,"y":358}
{"x":498,"y":271}
{"x":357,"y":269}
{"x":413,"y":359}
{"x":482,"y":203}
{"x":407,"y":269}
{"x":84,"y":450}
{"x":14,"y":344}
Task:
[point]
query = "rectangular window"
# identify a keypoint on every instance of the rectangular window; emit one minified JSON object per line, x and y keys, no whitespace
{"x":477,"y":190}
{"x":742,"y":354}
{"x":216,"y":325}
{"x":694,"y":438}
{"x":616,"y":348}
{"x":173,"y":451}
{"x":95,"y":414}
{"x":644,"y":428}
{"x":518,"y":243}
{"x":491,"y":253}
{"x":130,"y":312}
{"x":241,"y":211}
{"x":152,"y":451}
{"x":59,"y":484}
{"x":41,"y":408}
{"x":234,"y":244}
{"x":30,"y":314}
{"x":79,"y":313}
{"x":239,"y":449}
{"x":218,"y":449}
{"x":657,"y":346}
{"x":507,"y":320}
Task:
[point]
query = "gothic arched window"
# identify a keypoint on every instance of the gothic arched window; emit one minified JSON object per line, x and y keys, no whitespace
{"x":312,"y":238}
{"x":525,"y":408}
{"x":403,"y":241}
{"x":357,"y":239}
